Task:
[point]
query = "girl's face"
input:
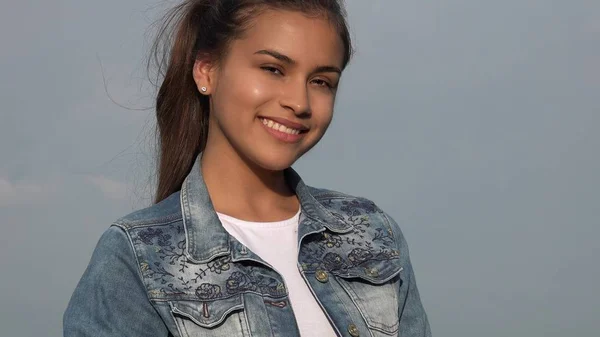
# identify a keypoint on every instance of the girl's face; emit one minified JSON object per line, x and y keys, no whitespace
{"x":272,"y":96}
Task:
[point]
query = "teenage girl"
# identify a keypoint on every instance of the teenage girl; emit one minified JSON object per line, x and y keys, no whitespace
{"x":236,"y":244}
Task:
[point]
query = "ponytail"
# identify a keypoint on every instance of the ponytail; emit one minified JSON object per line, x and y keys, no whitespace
{"x":181,"y":112}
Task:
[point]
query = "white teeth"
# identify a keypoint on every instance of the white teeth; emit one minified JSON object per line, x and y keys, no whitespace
{"x":279,"y":127}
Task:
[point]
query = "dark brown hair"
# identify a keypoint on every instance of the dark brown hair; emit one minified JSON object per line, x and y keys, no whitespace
{"x":206,"y":27}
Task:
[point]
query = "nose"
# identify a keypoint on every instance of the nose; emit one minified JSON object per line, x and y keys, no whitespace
{"x":295,"y":97}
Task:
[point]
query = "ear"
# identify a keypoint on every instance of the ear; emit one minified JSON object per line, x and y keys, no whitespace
{"x":204,"y":75}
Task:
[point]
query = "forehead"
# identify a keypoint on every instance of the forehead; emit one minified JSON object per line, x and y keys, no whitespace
{"x":309,"y":39}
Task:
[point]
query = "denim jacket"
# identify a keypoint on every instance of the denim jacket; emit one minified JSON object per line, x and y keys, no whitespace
{"x":172,"y":269}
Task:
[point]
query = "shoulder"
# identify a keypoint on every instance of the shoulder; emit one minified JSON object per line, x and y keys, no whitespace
{"x":164,"y":212}
{"x":155,"y":237}
{"x":121,"y":240}
{"x":335,"y":201}
{"x":150,"y":230}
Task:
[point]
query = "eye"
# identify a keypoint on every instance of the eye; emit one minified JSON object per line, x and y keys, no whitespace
{"x":271,"y":69}
{"x":322,"y":83}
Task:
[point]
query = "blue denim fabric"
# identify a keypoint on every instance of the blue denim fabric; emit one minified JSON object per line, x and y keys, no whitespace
{"x":172,"y":269}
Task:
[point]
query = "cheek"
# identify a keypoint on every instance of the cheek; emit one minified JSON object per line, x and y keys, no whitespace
{"x":244,"y":94}
{"x":322,"y":106}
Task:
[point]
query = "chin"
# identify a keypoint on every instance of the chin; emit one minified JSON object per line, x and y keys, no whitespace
{"x":274,"y":161}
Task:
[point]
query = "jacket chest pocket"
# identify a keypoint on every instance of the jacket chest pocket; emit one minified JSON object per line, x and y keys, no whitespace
{"x":215,"y":318}
{"x":377,"y":300}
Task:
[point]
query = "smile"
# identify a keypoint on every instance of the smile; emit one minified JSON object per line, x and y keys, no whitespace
{"x":279,"y":127}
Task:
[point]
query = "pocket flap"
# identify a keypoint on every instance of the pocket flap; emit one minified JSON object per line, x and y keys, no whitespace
{"x":207,"y":313}
{"x":373,"y":271}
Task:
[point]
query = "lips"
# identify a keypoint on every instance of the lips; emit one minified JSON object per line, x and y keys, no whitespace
{"x":287,"y":123}
{"x":282,"y":132}
{"x":279,"y":127}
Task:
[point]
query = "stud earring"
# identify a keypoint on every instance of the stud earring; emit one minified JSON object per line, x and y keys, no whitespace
{"x":203,"y":89}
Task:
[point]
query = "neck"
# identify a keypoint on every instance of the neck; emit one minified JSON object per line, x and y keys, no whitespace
{"x":239,"y":188}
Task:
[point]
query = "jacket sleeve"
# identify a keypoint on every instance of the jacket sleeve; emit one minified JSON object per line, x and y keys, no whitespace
{"x":413,"y":319}
{"x":110,"y":299}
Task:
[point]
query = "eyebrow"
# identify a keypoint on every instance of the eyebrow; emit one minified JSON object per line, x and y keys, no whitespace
{"x":286,"y":59}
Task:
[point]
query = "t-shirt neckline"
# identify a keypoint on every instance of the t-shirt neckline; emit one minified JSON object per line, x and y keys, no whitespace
{"x":256,"y":224}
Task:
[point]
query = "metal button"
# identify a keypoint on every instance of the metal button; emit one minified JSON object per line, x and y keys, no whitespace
{"x":353,"y":330}
{"x":321,"y":276}
{"x":373,"y":272}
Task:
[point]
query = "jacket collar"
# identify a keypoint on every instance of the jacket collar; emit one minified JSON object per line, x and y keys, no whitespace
{"x":206,"y":238}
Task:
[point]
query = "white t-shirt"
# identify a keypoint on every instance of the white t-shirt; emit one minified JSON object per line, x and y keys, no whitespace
{"x":277,"y":244}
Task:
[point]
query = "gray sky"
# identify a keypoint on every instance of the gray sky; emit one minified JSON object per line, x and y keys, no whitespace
{"x":473,"y":123}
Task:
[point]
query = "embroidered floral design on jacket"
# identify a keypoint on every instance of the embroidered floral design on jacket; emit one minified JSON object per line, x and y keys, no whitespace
{"x":358,"y":206}
{"x":367,"y":242}
{"x":148,"y":235}
{"x":207,"y":291}
{"x":239,"y":282}
{"x":359,"y":255}
{"x":167,"y":271}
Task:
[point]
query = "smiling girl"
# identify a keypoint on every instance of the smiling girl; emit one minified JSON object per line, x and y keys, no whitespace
{"x":236,"y":243}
